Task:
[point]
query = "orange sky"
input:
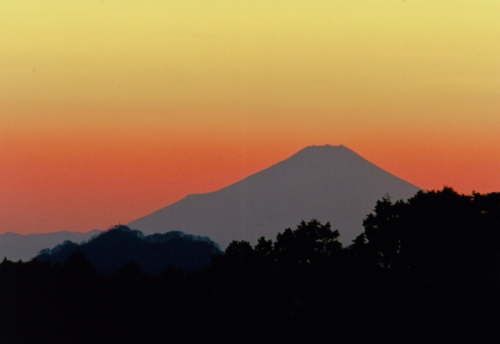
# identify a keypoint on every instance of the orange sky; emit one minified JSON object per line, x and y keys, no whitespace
{"x":110,"y":110}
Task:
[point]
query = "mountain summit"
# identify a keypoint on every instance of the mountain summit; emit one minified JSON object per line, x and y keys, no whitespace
{"x":328,"y":183}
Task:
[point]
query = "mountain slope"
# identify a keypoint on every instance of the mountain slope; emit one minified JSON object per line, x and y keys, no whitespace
{"x":326,"y":183}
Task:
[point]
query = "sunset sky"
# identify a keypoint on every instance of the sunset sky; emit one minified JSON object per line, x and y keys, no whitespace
{"x":112,"y":109}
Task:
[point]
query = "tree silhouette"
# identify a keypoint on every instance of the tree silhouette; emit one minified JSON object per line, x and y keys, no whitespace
{"x":78,"y":265}
{"x":440,"y":253}
{"x":311,"y":241}
{"x":424,"y":270}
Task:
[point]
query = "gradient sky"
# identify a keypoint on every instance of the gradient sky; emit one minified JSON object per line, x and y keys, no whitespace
{"x":112,"y":109}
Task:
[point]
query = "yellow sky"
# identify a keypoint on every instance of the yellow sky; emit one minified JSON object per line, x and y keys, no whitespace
{"x":255,"y":58}
{"x":414,"y":86}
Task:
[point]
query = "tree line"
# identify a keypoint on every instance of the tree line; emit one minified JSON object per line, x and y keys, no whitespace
{"x":424,"y":270}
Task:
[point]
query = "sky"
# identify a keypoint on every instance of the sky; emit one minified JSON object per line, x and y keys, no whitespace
{"x":112,"y":109}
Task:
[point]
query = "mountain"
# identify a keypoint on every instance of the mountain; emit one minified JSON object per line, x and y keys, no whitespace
{"x":24,"y":247}
{"x":327,"y":183}
{"x":113,"y":249}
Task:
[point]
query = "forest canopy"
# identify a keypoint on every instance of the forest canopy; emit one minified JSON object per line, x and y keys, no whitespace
{"x":424,"y":270}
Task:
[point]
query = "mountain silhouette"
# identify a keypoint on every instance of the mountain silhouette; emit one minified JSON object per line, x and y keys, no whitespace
{"x":24,"y":247}
{"x":111,"y":250}
{"x":327,"y":183}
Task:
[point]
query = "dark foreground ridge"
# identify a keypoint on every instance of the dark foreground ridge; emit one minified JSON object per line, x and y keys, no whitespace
{"x":426,"y":270}
{"x":113,"y":249}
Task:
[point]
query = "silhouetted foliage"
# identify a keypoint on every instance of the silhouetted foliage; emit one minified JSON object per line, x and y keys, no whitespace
{"x":111,"y":250}
{"x":425,"y":270}
{"x":78,"y":265}
{"x":442,"y":250}
{"x":130,"y":271}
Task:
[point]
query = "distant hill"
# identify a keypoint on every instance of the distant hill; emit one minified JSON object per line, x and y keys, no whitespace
{"x":328,"y":183}
{"x":111,"y":250}
{"x":24,"y":247}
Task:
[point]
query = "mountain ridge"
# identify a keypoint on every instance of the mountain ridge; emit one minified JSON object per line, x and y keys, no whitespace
{"x":14,"y":246}
{"x":262,"y":204}
{"x":295,"y":189}
{"x":111,"y":250}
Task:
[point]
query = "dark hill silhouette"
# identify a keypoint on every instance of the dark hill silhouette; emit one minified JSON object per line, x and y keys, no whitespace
{"x":328,"y":183}
{"x":24,"y":247}
{"x":113,"y":249}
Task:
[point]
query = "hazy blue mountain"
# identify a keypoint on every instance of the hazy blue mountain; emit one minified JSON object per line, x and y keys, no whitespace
{"x":113,"y":249}
{"x":328,"y":183}
{"x":24,"y":247}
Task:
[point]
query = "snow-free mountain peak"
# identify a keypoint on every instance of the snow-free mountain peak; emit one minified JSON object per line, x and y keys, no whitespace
{"x":328,"y":183}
